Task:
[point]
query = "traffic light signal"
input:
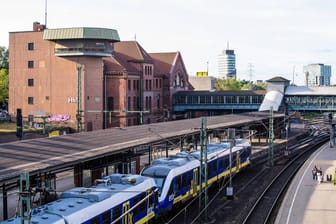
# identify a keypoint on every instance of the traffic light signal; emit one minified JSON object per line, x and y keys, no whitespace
{"x":330,"y":116}
{"x":19,"y":125}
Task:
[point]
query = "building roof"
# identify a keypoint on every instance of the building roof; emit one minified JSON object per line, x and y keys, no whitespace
{"x":306,"y":91}
{"x":133,"y":51}
{"x":81,"y":33}
{"x":126,"y":56}
{"x":277,"y":79}
{"x":272,"y":99}
{"x":222,"y":93}
{"x":165,"y":61}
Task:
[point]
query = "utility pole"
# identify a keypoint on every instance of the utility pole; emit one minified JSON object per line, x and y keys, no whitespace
{"x":79,"y":97}
{"x":286,"y":128}
{"x":203,"y":172}
{"x":332,"y":130}
{"x":271,"y":138}
{"x":25,"y":200}
{"x":231,"y":138}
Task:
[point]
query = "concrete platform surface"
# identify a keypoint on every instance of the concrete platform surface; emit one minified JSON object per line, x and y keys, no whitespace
{"x":308,"y":200}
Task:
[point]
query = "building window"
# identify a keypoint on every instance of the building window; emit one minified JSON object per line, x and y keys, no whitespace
{"x":30,"y":100}
{"x":150,"y":103}
{"x":129,"y":103}
{"x":110,"y":103}
{"x":135,"y":103}
{"x":158,"y":102}
{"x":30,"y":82}
{"x":146,"y":103}
{"x":30,"y":46}
{"x":129,"y":84}
{"x":30,"y":64}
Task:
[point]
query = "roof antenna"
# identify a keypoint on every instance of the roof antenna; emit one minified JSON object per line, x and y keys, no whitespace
{"x":227,"y":45}
{"x":45,"y":12}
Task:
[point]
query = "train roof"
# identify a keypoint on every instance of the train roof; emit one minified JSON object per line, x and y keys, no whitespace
{"x":162,"y":166}
{"x":116,"y":187}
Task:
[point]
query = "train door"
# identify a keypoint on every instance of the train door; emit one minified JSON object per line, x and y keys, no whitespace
{"x":238,"y":160}
{"x":127,"y":219}
{"x":194,"y":182}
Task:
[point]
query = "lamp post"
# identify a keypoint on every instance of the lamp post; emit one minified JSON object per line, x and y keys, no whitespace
{"x":79,"y":97}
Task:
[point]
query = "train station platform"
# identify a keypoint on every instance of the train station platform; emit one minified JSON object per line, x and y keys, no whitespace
{"x":309,"y":200}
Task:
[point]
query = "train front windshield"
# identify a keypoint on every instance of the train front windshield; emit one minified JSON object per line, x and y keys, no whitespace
{"x":159,"y":182}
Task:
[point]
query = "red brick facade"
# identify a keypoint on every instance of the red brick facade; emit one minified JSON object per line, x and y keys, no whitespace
{"x":129,"y":88}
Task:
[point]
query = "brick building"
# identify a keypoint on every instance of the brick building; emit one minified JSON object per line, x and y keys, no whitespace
{"x":86,"y":79}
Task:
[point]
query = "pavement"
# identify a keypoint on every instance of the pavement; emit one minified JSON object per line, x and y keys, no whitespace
{"x":307,"y":200}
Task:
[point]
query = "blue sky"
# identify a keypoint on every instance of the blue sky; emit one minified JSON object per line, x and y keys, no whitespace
{"x":277,"y":37}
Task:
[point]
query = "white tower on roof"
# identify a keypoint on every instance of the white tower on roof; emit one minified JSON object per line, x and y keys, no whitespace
{"x":227,"y":63}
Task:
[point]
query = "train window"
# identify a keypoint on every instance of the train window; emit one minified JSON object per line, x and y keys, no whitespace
{"x":234,"y":161}
{"x":227,"y":162}
{"x":221,"y":163}
{"x":159,"y":182}
{"x":243,"y":153}
{"x":151,"y":201}
{"x":171,"y":188}
{"x":178,"y":184}
{"x":211,"y":168}
{"x":106,"y":217}
{"x":189,"y":177}
{"x":95,"y":220}
{"x":184,"y":180}
{"x":136,"y":209}
{"x":116,"y":214}
{"x":143,"y":205}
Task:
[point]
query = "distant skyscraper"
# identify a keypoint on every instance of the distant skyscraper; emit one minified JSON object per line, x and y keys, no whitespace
{"x":317,"y":74}
{"x":227,"y":64}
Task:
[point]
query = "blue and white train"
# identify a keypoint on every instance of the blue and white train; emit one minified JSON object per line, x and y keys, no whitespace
{"x":128,"y":199}
{"x":119,"y":199}
{"x":177,"y":176}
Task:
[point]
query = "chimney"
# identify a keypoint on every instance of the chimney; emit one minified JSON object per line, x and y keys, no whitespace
{"x":38,"y":27}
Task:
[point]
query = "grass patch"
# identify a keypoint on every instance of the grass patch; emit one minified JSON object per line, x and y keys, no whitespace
{"x":8,"y":127}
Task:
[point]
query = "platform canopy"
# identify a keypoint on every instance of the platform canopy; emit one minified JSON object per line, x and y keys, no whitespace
{"x":272,"y":99}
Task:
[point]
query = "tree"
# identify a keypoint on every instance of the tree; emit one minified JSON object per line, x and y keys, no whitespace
{"x":3,"y":87}
{"x":3,"y":57}
{"x":233,"y":84}
{"x":3,"y":77}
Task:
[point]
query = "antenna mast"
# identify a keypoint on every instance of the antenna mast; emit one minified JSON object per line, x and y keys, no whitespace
{"x":45,"y":12}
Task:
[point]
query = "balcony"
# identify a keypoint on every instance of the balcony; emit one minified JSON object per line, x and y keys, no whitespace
{"x":87,"y":51}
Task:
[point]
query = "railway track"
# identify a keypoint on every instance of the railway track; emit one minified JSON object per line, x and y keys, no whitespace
{"x":249,"y":188}
{"x":259,"y":189}
{"x":264,"y":209}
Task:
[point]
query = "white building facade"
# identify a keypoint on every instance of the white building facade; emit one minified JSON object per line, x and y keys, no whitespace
{"x":227,"y":64}
{"x":317,"y":74}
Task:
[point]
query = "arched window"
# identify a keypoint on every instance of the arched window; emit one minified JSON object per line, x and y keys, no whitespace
{"x":178,"y":79}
